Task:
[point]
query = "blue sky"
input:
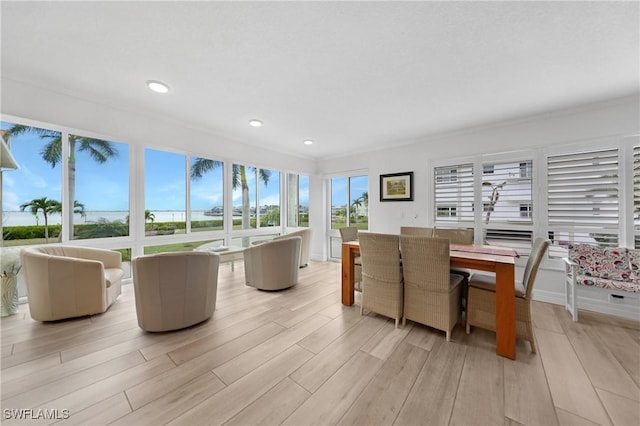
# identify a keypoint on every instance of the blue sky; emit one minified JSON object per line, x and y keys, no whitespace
{"x":103,"y":187}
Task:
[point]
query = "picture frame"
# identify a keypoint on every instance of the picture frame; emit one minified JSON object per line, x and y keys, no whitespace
{"x":396,"y":187}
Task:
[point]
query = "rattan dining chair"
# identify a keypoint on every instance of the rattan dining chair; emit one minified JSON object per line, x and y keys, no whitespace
{"x":416,"y":230}
{"x":458,"y":236}
{"x":431,"y":292}
{"x":381,"y":275}
{"x":481,"y":304}
{"x":454,"y":235}
{"x":350,"y":233}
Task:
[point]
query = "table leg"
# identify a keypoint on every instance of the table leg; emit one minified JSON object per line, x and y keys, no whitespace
{"x":505,"y":311}
{"x":347,"y":275}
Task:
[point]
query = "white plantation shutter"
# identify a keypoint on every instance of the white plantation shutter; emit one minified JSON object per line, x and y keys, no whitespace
{"x":636,"y":196}
{"x":582,"y":199}
{"x":507,"y":197}
{"x":453,"y":194}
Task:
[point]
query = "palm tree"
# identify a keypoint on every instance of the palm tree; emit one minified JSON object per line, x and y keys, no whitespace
{"x":148,"y":216}
{"x":78,"y":208}
{"x":238,"y":179}
{"x":44,"y":205}
{"x":355,"y":207}
{"x":98,"y":149}
{"x":493,"y":197}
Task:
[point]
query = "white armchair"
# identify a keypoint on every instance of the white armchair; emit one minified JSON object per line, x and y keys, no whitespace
{"x":305,"y":246}
{"x":175,"y":290}
{"x":273,"y":265}
{"x":69,"y":281}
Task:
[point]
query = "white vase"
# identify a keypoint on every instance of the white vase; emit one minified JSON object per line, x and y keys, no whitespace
{"x":9,"y":301}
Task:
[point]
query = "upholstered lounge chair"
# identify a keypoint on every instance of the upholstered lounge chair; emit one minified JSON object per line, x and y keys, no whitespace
{"x":273,"y":265}
{"x":175,"y":290}
{"x":305,"y":246}
{"x":70,"y":281}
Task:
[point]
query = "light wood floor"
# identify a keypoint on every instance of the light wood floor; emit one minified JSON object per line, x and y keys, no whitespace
{"x":299,"y":357}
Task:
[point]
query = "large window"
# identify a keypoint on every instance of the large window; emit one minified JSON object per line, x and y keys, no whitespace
{"x":32,"y":194}
{"x":350,"y":202}
{"x":207,"y":194}
{"x":99,"y":188}
{"x":582,"y":201}
{"x":349,"y":207}
{"x":246,"y":215}
{"x":269,"y":190}
{"x":164,"y":192}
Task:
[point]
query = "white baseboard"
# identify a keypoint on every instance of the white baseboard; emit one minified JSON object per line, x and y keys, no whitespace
{"x":598,"y":300}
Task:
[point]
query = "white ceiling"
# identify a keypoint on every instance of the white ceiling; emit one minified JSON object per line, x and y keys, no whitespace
{"x":349,"y":75}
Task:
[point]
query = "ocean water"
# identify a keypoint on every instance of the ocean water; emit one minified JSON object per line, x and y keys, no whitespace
{"x":18,"y":218}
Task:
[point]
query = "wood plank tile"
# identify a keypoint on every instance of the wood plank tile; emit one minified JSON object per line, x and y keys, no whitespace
{"x":331,"y":401}
{"x":239,"y":366}
{"x":165,"y":383}
{"x":293,"y":317}
{"x":566,"y":418}
{"x":624,"y":349}
{"x":169,"y":405}
{"x":218,"y":338}
{"x":38,"y":396}
{"x":437,"y":383}
{"x":93,"y":393}
{"x":381,"y":400}
{"x":545,"y":316}
{"x":37,"y":379}
{"x":315,"y":372}
{"x":480,"y":397}
{"x":600,"y":364}
{"x":623,"y":411}
{"x":385,"y":341}
{"x":274,"y":406}
{"x":102,"y":413}
{"x":527,"y":399}
{"x":322,"y":337}
{"x":423,"y":337}
{"x":570,"y":386}
{"x":175,"y":339}
{"x":225,"y":404}
{"x":30,"y":367}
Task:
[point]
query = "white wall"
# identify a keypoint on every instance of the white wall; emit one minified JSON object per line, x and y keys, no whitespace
{"x":46,"y":106}
{"x":616,"y":118}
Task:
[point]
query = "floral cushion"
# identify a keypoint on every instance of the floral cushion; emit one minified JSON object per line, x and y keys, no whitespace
{"x":607,"y":283}
{"x":610,"y":263}
{"x":634,"y":265}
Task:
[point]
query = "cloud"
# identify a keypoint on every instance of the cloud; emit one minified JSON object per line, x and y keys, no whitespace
{"x":10,"y":201}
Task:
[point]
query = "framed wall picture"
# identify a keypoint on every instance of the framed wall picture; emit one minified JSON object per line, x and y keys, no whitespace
{"x":396,"y":187}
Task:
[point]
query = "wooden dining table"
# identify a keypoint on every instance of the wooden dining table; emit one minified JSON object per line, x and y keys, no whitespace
{"x":476,"y":257}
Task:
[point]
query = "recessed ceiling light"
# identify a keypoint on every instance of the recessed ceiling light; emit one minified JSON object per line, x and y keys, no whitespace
{"x":255,"y":123}
{"x":308,"y":142}
{"x":157,"y":86}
